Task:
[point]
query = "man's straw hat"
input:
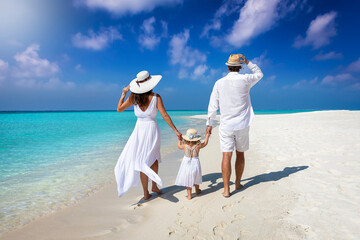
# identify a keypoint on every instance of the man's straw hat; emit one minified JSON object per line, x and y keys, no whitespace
{"x":144,"y":82}
{"x":191,"y":135}
{"x":234,"y":60}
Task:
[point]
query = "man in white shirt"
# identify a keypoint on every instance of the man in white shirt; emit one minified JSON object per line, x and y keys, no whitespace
{"x":232,"y":95}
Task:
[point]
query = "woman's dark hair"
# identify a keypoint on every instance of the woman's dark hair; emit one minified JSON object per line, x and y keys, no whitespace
{"x":234,"y":68}
{"x":141,"y":99}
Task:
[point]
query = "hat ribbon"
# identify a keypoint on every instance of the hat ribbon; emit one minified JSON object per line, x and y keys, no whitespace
{"x":137,"y":81}
{"x":191,"y":136}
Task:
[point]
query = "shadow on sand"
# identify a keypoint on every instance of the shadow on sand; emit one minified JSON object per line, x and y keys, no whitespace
{"x":214,"y":185}
{"x":270,"y":177}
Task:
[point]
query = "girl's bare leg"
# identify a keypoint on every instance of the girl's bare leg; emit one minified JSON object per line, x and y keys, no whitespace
{"x":197,"y":189}
{"x":155,"y":168}
{"x":188,"y":189}
{"x":144,"y":183}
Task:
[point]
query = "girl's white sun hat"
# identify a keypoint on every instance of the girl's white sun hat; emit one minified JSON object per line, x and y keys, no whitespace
{"x":191,"y":135}
{"x":144,"y":82}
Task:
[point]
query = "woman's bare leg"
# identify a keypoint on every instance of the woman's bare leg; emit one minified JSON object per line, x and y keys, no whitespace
{"x":188,"y":189}
{"x":144,"y":183}
{"x":155,"y":168}
{"x":197,"y":189}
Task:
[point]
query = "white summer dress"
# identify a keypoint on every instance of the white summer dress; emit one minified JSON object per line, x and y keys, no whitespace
{"x":141,"y":150}
{"x":190,"y":169}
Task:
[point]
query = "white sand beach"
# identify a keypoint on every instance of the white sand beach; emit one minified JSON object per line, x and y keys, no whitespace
{"x":301,"y":181}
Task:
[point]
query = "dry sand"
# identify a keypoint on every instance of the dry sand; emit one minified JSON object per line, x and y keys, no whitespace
{"x":301,"y":181}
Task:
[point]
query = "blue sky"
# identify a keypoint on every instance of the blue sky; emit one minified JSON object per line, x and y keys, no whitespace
{"x":79,"y":54}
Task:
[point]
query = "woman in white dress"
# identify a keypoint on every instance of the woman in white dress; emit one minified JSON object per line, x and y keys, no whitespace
{"x":140,"y":157}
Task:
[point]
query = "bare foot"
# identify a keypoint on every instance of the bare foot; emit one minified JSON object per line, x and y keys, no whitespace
{"x":157,"y":190}
{"x":238,"y":186}
{"x":147,"y":196}
{"x":198,"y":191}
{"x":226,"y":194}
{"x":189,"y":194}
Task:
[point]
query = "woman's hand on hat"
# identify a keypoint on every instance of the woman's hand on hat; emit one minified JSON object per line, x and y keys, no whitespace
{"x":126,"y":90}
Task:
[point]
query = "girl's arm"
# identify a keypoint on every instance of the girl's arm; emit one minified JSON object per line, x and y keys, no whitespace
{"x":166,"y":117}
{"x":180,"y":145}
{"x":122,"y":106}
{"x":202,"y":145}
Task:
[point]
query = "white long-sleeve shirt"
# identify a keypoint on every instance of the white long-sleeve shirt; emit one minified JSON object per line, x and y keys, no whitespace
{"x":232,"y":94}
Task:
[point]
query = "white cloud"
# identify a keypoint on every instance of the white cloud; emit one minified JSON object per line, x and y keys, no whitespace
{"x":356,"y":86}
{"x":327,"y":56}
{"x":182,"y":54}
{"x":304,"y":82}
{"x":261,"y":61}
{"x":148,"y":39}
{"x":183,"y":73}
{"x":227,"y":8}
{"x":123,"y":7}
{"x":354,"y":67}
{"x":257,"y":17}
{"x":192,"y":62}
{"x":30,"y":65}
{"x":320,"y":31}
{"x":96,"y":41}
{"x":199,"y":71}
{"x":79,"y":68}
{"x":51,"y":84}
{"x":4,"y":67}
{"x":338,"y":79}
{"x":169,"y":89}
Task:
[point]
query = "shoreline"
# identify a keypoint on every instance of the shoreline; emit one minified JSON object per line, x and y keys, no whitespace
{"x":276,"y":202}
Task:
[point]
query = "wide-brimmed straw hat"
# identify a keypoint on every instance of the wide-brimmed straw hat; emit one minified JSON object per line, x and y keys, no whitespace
{"x":191,"y":135}
{"x":144,"y":82}
{"x":234,"y":60}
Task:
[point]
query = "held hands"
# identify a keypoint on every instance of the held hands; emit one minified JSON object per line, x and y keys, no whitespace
{"x":208,"y":130}
{"x":178,"y":134}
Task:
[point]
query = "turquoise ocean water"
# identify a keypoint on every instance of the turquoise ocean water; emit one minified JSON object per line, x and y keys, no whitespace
{"x":49,"y":160}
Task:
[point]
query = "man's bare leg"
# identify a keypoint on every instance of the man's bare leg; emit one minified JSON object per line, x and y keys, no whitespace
{"x":239,"y":169}
{"x":226,"y":172}
{"x":144,"y":183}
{"x":155,"y":168}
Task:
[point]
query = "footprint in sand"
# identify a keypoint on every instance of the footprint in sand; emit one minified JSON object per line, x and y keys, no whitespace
{"x":227,"y":207}
{"x":244,"y":234}
{"x":218,"y":230}
{"x":237,"y":218}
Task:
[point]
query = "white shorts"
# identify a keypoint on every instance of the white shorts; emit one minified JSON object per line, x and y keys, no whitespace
{"x":238,"y":139}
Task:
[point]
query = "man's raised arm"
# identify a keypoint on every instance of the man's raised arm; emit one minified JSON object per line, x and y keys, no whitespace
{"x":256,"y":71}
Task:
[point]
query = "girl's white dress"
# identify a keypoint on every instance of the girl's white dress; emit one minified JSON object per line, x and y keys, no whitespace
{"x":190,"y":169}
{"x":141,"y":150}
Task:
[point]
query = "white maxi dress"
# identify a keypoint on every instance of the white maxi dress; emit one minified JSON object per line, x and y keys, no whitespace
{"x":141,"y":150}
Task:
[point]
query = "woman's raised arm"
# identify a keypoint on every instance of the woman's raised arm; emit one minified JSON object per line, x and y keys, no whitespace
{"x":166,"y":116}
{"x":122,"y":106}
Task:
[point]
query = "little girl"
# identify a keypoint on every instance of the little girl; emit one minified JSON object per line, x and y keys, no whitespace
{"x":190,"y":169}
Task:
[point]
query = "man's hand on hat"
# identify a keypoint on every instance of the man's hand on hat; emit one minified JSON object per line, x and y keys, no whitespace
{"x":126,"y":90}
{"x":243,"y":59}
